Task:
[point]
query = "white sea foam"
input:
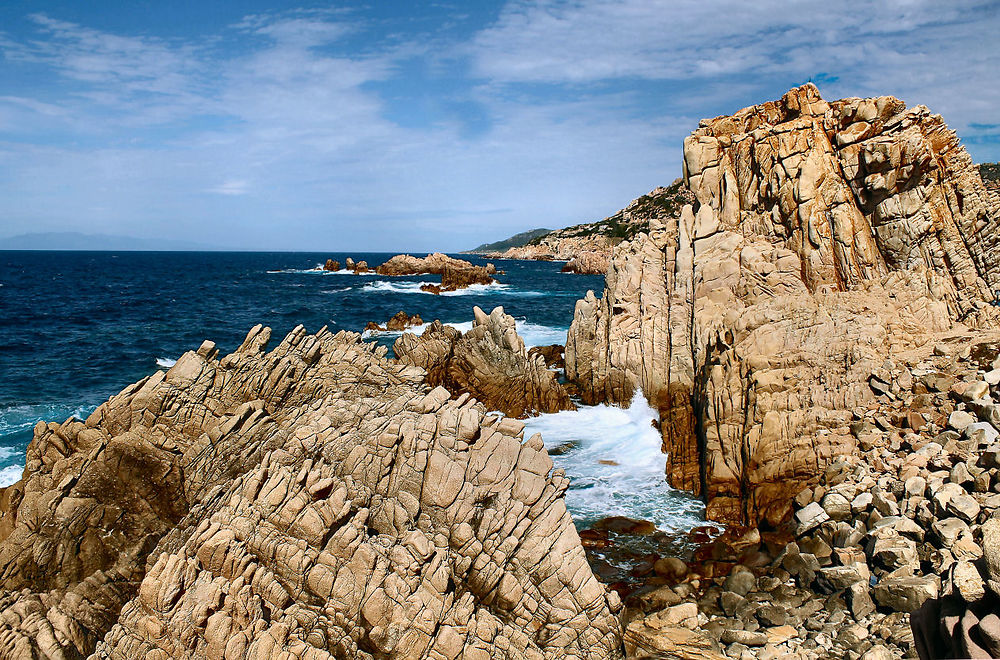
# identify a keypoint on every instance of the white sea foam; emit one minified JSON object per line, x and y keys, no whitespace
{"x":21,"y":417}
{"x":10,"y":475}
{"x":318,"y":270}
{"x":613,"y":460}
{"x":384,"y":286}
{"x":166,"y":363}
{"x":533,"y":334}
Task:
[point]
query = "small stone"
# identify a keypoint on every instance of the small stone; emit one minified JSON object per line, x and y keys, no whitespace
{"x":744,"y":637}
{"x":967,"y":581}
{"x":741,"y":581}
{"x":915,"y":486}
{"x":905,"y":594}
{"x":809,"y":518}
{"x":960,"y":420}
{"x":671,"y":568}
{"x":771,"y":616}
{"x":861,"y":503}
{"x":983,"y":432}
{"x":991,"y":553}
{"x":859,"y":599}
{"x":949,"y":530}
{"x":837,"y":506}
{"x":960,"y":475}
{"x":878,"y":652}
{"x":893,"y":552}
{"x":964,"y":506}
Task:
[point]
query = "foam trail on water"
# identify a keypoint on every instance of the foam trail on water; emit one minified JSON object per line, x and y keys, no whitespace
{"x":471,"y":290}
{"x":10,"y":475}
{"x":613,"y":460}
{"x":166,"y":363}
{"x":533,"y":334}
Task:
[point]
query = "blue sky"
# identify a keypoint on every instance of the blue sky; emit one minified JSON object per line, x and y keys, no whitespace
{"x":419,"y":126}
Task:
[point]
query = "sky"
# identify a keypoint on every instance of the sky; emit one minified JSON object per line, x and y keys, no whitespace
{"x":417,"y":126}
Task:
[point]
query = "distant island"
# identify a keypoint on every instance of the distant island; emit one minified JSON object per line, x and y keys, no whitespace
{"x":72,"y":240}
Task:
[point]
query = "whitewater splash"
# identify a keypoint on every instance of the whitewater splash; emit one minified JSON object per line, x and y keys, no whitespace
{"x":533,"y":334}
{"x":166,"y":363}
{"x":613,"y":460}
{"x":471,"y":290}
{"x":318,"y":270}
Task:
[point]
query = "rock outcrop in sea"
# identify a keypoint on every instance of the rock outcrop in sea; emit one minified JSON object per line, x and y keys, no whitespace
{"x":455,"y":273}
{"x":826,"y":239}
{"x":490,"y":362}
{"x":314,"y":501}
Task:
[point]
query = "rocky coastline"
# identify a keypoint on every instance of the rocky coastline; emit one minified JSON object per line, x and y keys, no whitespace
{"x":816,"y":325}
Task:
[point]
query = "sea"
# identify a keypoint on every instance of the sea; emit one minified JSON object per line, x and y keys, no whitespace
{"x":78,"y":327}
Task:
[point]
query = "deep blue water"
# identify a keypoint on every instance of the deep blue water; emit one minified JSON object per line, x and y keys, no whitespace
{"x":77,"y":327}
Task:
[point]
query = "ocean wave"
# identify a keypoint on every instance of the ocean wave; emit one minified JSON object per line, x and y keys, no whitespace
{"x":533,"y":334}
{"x":10,"y":475}
{"x":166,"y":363}
{"x":22,"y":417}
{"x":318,"y":270}
{"x":496,"y":288}
{"x":613,"y":459}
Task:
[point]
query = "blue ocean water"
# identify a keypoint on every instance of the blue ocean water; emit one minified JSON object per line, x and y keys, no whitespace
{"x":77,"y":327}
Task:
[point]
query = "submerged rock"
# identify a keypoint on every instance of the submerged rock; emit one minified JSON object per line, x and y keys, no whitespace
{"x":314,"y":501}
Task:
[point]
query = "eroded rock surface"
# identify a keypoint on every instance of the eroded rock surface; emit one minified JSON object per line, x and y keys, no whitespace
{"x":489,"y":361}
{"x":825,"y":239}
{"x":314,"y":501}
{"x":587,"y":263}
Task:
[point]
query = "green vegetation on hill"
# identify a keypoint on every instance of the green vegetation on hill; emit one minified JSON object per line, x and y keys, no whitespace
{"x":517,"y":240}
{"x":634,"y":218}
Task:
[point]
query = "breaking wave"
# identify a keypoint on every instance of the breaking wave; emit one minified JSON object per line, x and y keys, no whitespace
{"x":613,"y":460}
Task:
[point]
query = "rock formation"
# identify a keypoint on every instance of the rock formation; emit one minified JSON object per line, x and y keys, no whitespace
{"x":587,"y":263}
{"x":489,"y":362}
{"x":455,"y":273}
{"x":356,"y":267}
{"x":399,"y":321}
{"x":314,"y":501}
{"x":825,"y":239}
{"x":331,"y":265}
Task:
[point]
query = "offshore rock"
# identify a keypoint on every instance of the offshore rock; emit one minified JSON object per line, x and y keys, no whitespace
{"x":314,"y":501}
{"x":826,"y":239}
{"x":331,"y":265}
{"x":489,"y":362}
{"x":455,"y":273}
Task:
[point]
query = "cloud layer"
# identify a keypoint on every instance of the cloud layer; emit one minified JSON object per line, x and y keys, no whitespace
{"x":335,"y":130}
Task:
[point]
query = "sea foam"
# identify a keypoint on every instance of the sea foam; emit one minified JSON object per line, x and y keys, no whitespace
{"x":533,"y":334}
{"x":613,"y":459}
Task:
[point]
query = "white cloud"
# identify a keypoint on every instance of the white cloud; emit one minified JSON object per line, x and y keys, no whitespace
{"x":285,"y":141}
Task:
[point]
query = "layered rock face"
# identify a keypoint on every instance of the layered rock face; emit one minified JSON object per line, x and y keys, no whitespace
{"x":826,"y":238}
{"x":489,"y":361}
{"x":314,"y":501}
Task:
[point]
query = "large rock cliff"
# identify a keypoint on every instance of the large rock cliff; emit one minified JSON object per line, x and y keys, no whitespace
{"x":826,"y":238}
{"x":314,"y":501}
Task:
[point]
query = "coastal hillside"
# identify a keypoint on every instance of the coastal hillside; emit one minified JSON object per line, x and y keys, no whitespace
{"x":592,"y":242}
{"x":517,"y":240}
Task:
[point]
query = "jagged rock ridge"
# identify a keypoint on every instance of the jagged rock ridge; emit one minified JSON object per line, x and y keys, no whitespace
{"x":489,"y":361}
{"x":825,"y":238}
{"x":314,"y":501}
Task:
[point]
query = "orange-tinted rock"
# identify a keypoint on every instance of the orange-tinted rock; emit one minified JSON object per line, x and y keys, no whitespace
{"x":331,"y":265}
{"x":826,"y":239}
{"x":489,"y":362}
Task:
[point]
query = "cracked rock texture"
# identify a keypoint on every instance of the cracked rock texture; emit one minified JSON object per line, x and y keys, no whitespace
{"x":825,"y":238}
{"x":314,"y":501}
{"x":489,"y":362}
